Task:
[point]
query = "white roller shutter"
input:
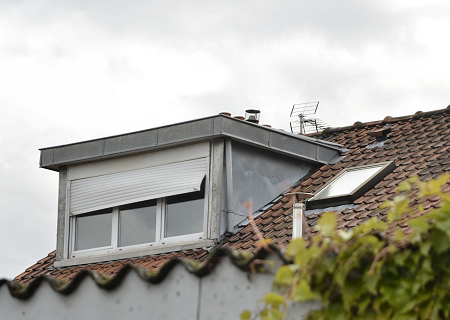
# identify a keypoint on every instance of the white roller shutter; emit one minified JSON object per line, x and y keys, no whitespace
{"x":116,"y":189}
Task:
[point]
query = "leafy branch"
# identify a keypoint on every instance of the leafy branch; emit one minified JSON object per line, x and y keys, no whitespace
{"x":377,"y":270}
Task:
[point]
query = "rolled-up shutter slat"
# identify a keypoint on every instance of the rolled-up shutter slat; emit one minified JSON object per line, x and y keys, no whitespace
{"x":100,"y":192}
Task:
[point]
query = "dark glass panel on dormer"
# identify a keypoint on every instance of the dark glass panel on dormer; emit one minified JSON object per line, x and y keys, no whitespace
{"x":93,"y":230}
{"x":137,"y":223}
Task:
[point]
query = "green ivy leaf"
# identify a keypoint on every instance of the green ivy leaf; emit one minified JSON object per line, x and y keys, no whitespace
{"x":399,"y":234}
{"x":271,"y":314}
{"x":413,"y":179}
{"x":345,"y":235}
{"x":371,"y":281}
{"x":273,"y":299}
{"x":351,"y":290}
{"x":419,"y":224}
{"x":303,"y":292}
{"x":440,"y":241}
{"x":404,"y":186}
{"x":443,"y":223}
{"x":295,"y":246}
{"x":285,"y":276}
{"x":399,"y":207}
{"x":401,"y":257}
{"x":386,"y":204}
{"x":425,"y":247}
{"x":337,"y":312}
{"x":327,"y":224}
{"x":363,"y":304}
{"x":245,"y":315}
{"x":371,"y":224}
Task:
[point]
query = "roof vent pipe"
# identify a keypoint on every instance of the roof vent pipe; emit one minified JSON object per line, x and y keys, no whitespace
{"x":252,"y":115}
{"x":298,"y":213}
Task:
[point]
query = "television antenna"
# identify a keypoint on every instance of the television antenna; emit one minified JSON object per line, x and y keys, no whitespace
{"x":302,"y":124}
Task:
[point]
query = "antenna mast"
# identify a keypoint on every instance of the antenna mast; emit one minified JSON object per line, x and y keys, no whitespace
{"x":302,"y":124}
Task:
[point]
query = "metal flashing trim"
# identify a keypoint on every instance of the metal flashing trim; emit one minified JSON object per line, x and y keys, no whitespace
{"x":331,"y":209}
{"x":336,"y":159}
{"x":379,"y":144}
{"x":243,"y":261}
{"x":185,"y":133}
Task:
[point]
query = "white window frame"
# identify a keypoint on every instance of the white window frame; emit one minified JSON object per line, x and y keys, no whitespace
{"x":160,"y":226}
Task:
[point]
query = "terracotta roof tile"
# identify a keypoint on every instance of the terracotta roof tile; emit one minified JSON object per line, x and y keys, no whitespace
{"x":352,"y":223}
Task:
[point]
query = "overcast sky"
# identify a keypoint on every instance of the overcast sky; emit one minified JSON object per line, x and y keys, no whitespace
{"x":77,"y":70}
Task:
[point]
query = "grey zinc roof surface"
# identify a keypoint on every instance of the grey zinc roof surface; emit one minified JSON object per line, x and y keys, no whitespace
{"x":306,"y":148}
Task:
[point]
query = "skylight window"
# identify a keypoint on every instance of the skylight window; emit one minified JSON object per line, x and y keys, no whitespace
{"x":350,"y":184}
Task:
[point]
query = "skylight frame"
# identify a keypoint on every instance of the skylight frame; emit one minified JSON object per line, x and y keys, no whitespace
{"x":385,"y":168}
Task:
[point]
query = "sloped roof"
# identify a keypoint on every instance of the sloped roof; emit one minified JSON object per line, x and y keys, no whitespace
{"x":419,"y":144}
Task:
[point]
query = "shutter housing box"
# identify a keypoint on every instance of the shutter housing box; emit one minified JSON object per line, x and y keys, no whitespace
{"x":121,"y":188}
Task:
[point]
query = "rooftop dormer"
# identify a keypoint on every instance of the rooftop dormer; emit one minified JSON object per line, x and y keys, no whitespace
{"x":171,"y":188}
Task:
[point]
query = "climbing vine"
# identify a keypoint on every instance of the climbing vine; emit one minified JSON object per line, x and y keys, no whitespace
{"x":376,"y":270}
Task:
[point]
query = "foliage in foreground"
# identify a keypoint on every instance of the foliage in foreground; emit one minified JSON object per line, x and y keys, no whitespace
{"x":368,"y":273}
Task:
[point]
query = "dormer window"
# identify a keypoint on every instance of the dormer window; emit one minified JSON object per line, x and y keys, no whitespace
{"x":146,"y":201}
{"x":350,"y":184}
{"x":138,"y":225}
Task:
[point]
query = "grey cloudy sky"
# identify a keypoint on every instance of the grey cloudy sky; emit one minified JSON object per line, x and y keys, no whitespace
{"x":77,"y":70}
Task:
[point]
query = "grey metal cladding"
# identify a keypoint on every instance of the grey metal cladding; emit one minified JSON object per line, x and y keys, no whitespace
{"x":325,"y":154}
{"x":46,"y":157}
{"x":297,"y":146}
{"x":83,"y":150}
{"x":218,"y":121}
{"x":195,"y":130}
{"x":131,"y":141}
{"x":185,"y":131}
{"x":245,"y":131}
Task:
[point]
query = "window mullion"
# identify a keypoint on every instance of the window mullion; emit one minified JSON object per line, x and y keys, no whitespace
{"x":160,"y":219}
{"x":72,"y":234}
{"x":115,"y":228}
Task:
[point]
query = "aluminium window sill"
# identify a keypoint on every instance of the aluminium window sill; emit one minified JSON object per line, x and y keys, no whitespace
{"x":135,"y":253}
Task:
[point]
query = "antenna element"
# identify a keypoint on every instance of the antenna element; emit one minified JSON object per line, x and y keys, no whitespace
{"x":302,"y":124}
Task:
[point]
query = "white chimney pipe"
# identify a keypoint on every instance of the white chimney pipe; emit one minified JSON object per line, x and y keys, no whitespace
{"x":298,"y":213}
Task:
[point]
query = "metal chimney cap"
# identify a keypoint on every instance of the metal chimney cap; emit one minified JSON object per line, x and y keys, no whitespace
{"x":301,"y":195}
{"x":252,"y":115}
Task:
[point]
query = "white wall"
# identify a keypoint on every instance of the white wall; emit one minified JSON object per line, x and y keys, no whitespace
{"x":223,"y":294}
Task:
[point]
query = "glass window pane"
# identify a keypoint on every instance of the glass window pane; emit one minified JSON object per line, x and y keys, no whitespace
{"x":347,"y":182}
{"x":137,"y":223}
{"x":93,"y":230}
{"x":184,"y":214}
